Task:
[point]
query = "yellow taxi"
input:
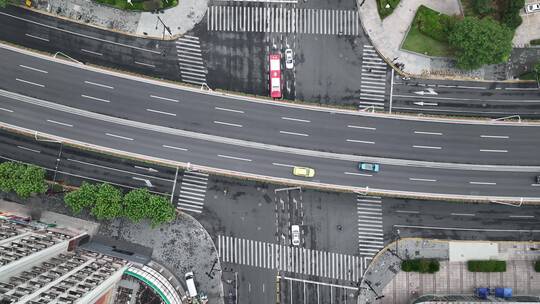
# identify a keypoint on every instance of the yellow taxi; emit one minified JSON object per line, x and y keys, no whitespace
{"x":303,"y":172}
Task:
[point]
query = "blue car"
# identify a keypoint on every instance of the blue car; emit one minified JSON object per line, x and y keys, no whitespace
{"x":368,"y":167}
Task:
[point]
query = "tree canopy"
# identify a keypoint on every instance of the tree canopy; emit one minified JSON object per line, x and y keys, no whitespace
{"x":22,"y":179}
{"x":84,"y":197}
{"x":108,"y":203}
{"x":480,"y":41}
{"x":137,"y":204}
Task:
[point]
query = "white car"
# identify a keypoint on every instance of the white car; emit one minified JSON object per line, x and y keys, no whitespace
{"x":531,"y":8}
{"x":295,"y":232}
{"x":289,"y":61}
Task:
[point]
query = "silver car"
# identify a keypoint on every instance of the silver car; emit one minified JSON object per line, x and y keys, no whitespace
{"x":295,"y":232}
{"x":531,"y":8}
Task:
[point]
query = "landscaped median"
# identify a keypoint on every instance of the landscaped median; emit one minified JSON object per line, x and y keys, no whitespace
{"x":386,"y":7}
{"x":140,"y":5}
{"x":486,"y":266}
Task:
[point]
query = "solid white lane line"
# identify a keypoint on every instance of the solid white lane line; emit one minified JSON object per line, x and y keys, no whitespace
{"x":463,"y":229}
{"x":94,"y":98}
{"x":145,"y":64}
{"x":295,"y":119}
{"x":29,"y":82}
{"x":407,"y":211}
{"x":91,"y":52}
{"x":229,"y":110}
{"x":98,"y":84}
{"x":427,"y":147}
{"x":227,"y":124}
{"x":468,"y":87}
{"x":360,"y":141}
{"x":523,"y":89}
{"x":283,"y":165}
{"x":535,"y":185}
{"x":462,"y":214}
{"x":522,"y":216}
{"x":360,"y":127}
{"x":6,"y":110}
{"x":161,"y":112}
{"x":427,"y":133}
{"x":482,"y":183}
{"x":60,"y":123}
{"x":358,"y":174}
{"x":422,"y":179}
{"x":164,"y":98}
{"x":33,"y":69}
{"x":494,"y":151}
{"x":293,"y":133}
{"x":28,"y":149}
{"x":36,"y":37}
{"x":235,"y":158}
{"x":175,"y":148}
{"x":118,"y":136}
{"x":495,"y":136}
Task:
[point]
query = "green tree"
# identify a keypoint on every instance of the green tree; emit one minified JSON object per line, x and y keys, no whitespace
{"x":483,"y":7}
{"x":22,"y":179}
{"x":161,"y":210}
{"x":108,"y":203}
{"x":480,"y":41}
{"x":4,"y":3}
{"x":81,"y":198}
{"x":537,"y":71}
{"x":137,"y":204}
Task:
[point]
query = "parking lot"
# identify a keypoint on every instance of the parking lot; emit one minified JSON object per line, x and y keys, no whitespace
{"x":528,"y":30}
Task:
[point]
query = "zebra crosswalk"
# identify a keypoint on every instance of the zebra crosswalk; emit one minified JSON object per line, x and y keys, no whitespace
{"x":373,"y":79}
{"x":290,"y":258}
{"x":370,"y":225}
{"x":192,"y":191}
{"x":190,"y":60}
{"x":272,"y":19}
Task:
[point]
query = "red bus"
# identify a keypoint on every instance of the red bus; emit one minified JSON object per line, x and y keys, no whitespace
{"x":275,"y":75}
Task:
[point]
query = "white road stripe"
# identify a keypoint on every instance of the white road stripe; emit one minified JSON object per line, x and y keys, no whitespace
{"x":164,"y":98}
{"x":92,"y":52}
{"x":29,"y":82}
{"x":145,"y":64}
{"x":6,"y":110}
{"x":160,"y":112}
{"x":522,"y":216}
{"x":427,"y":133}
{"x":283,"y":165}
{"x":407,"y":211}
{"x":427,"y":147}
{"x":493,"y":151}
{"x":360,"y":141}
{"x":118,"y":136}
{"x":59,"y":123}
{"x":229,"y":110}
{"x":36,"y":37}
{"x":174,"y":148}
{"x":360,"y":127}
{"x":98,"y":84}
{"x":33,"y":69}
{"x":28,"y":149}
{"x":295,"y":119}
{"x":236,"y":158}
{"x":422,"y":179}
{"x":95,"y":98}
{"x":482,"y":183}
{"x":495,"y":136}
{"x":293,"y":133}
{"x":462,"y":214}
{"x":358,"y":174}
{"x":227,"y":124}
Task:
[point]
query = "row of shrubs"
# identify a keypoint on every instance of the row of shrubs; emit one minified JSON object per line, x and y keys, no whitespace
{"x":537,"y":266}
{"x":420,"y":265}
{"x":432,"y":266}
{"x":22,"y":179}
{"x":107,"y":202}
{"x":434,"y":24}
{"x":486,"y":266}
{"x":535,"y":42}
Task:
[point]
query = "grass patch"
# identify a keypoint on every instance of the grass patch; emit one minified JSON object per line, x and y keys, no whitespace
{"x":420,"y":265}
{"x":528,"y":76}
{"x":417,"y":42}
{"x":140,"y":5}
{"x":486,"y":266}
{"x":382,"y":7}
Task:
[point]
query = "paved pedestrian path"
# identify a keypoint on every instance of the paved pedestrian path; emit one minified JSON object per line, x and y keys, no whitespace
{"x":192,"y":192}
{"x":190,"y":60}
{"x":370,"y":226}
{"x":273,"y":19}
{"x":373,"y":79}
{"x":290,"y":258}
{"x":388,"y":34}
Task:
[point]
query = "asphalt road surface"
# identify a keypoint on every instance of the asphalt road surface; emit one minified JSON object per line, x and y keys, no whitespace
{"x":279,"y":126}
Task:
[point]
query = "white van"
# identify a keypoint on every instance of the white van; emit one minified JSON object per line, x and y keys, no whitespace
{"x":190,"y":282}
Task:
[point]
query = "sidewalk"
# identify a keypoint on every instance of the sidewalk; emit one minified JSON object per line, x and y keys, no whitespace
{"x":386,"y":278}
{"x":387,"y":36}
{"x":179,"y":19}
